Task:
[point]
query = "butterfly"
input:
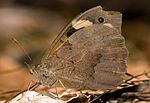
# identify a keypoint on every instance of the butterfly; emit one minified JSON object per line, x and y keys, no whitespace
{"x":89,"y":53}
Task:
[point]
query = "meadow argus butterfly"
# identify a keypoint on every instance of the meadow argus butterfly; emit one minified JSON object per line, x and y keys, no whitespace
{"x":90,"y":53}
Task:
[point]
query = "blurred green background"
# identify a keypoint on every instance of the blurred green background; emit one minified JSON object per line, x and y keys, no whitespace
{"x":35,"y":23}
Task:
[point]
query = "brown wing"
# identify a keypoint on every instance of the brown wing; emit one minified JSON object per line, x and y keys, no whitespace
{"x":92,"y":58}
{"x":92,"y":15}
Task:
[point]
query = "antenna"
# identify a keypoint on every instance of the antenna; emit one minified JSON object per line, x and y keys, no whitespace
{"x":15,"y":41}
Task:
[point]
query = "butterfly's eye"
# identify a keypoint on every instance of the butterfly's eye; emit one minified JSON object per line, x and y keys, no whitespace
{"x":44,"y":75}
{"x":100,"y":19}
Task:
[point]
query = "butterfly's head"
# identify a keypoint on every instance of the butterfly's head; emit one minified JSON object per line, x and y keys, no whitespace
{"x":45,"y":77}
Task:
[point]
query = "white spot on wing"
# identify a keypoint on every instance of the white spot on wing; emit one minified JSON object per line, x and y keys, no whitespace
{"x":81,"y":23}
{"x":109,"y":25}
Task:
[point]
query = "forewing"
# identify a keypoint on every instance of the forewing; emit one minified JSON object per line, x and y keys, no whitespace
{"x":85,"y":19}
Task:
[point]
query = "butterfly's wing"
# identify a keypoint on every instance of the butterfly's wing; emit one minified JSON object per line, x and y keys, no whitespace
{"x":85,"y":19}
{"x":92,"y":58}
